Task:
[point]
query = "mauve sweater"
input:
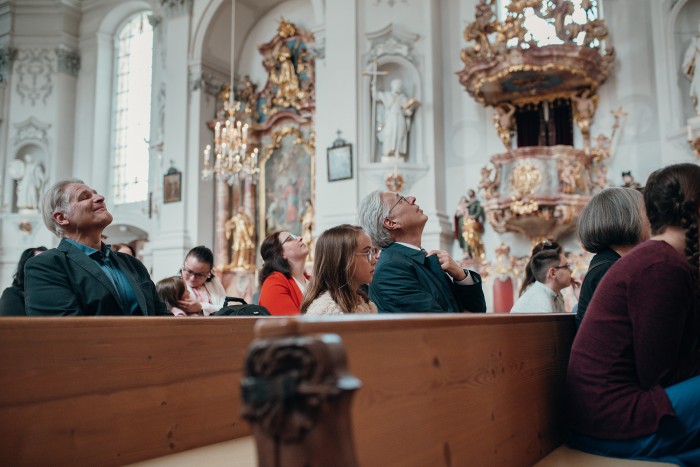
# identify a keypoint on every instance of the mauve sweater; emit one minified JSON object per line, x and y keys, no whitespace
{"x":639,"y":337}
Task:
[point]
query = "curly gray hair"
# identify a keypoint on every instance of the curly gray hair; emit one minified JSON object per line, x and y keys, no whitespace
{"x":56,"y":199}
{"x":371,"y":217}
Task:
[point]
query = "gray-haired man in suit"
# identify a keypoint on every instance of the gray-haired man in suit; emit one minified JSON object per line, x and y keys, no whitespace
{"x":406,"y":277}
{"x":82,"y":276}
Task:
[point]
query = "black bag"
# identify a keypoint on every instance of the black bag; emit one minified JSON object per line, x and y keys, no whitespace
{"x":242,"y":309}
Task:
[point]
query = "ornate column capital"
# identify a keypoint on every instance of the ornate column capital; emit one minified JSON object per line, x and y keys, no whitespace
{"x":176,"y":7}
{"x":68,"y":61}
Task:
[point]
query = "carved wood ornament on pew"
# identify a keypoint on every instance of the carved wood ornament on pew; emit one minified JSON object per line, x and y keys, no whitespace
{"x":296,"y":393}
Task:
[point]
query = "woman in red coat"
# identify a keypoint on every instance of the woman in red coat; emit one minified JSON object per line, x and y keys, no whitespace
{"x":283,"y":280}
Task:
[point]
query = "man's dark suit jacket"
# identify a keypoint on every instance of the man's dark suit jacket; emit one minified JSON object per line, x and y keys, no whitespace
{"x":405,"y":280}
{"x":64,"y":281}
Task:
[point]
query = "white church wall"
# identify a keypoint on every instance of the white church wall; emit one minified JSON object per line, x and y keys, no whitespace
{"x":40,"y":98}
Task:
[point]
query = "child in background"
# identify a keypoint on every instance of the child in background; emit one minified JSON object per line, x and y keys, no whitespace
{"x":172,"y":289}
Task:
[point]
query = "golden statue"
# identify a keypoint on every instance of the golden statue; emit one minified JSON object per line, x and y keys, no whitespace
{"x":505,"y":123}
{"x":288,"y":92}
{"x":242,"y":247}
{"x":473,"y":218}
{"x":307,"y":227}
{"x":584,"y":106}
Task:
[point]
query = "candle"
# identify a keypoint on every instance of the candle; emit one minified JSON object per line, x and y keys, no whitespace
{"x":690,"y":133}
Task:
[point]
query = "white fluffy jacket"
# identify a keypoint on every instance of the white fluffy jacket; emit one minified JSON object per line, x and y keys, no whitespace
{"x":324,"y":305}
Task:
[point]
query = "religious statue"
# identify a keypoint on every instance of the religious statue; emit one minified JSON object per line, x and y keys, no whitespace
{"x":288,"y":92}
{"x":505,"y":123}
{"x":473,"y":228}
{"x":307,"y":227}
{"x":248,"y":96}
{"x":571,"y":176}
{"x":584,"y":109}
{"x":460,"y":213}
{"x":398,"y":113}
{"x":30,"y":177}
{"x":690,"y":69}
{"x":628,"y":181}
{"x":240,"y":228}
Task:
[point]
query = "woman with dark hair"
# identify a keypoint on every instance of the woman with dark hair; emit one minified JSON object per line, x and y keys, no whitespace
{"x":12,"y":300}
{"x":207,"y":295}
{"x":283,"y":280}
{"x":612,"y":223}
{"x":344,"y":262}
{"x":529,"y":276}
{"x":633,"y":381}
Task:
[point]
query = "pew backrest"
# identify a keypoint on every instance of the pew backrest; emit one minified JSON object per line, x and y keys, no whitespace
{"x":113,"y":391}
{"x":450,"y":390}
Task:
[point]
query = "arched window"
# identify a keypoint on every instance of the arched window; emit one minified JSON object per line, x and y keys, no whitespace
{"x":132,"y":109}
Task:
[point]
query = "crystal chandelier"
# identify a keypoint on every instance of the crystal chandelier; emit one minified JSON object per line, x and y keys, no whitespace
{"x":234,"y":160}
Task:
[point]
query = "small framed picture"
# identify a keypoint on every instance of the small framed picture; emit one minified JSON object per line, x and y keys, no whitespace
{"x":172,"y":186}
{"x":339,"y":162}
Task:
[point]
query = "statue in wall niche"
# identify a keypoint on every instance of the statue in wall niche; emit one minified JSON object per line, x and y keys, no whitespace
{"x":690,"y":69}
{"x":31,"y":178}
{"x":504,"y":122}
{"x":397,"y":117}
{"x":240,"y":229}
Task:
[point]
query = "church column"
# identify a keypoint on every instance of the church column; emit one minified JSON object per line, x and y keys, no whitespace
{"x":336,"y":70}
{"x":39,"y":103}
{"x":176,"y":227}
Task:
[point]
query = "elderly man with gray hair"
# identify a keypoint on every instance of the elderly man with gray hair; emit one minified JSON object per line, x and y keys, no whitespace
{"x":82,"y":276}
{"x":406,"y":277}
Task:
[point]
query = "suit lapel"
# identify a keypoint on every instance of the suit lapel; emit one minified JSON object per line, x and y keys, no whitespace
{"x":88,"y":265}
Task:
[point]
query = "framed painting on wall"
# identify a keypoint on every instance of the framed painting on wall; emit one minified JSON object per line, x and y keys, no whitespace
{"x":172,"y":186}
{"x":340,"y":162}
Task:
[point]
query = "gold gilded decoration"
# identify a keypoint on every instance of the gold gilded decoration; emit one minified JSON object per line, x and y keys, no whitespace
{"x":286,"y":29}
{"x":290,"y":88}
{"x":505,"y":63}
{"x":504,"y":121}
{"x":394,"y":182}
{"x":584,"y":109}
{"x":526,"y":177}
{"x":695,"y":145}
{"x":239,"y":229}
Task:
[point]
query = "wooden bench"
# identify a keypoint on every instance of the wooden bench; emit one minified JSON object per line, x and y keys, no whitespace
{"x":451,"y":390}
{"x":113,"y":391}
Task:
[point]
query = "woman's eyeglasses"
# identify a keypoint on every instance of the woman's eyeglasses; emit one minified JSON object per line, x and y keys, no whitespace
{"x":371,"y":254}
{"x":198,"y":275}
{"x":565,"y":266}
{"x":290,"y":237}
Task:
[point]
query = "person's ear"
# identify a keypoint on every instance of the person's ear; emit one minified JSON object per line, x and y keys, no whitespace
{"x":60,"y":218}
{"x":390,"y":224}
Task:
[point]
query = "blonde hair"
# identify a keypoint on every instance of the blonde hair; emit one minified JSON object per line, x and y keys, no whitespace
{"x":334,"y":267}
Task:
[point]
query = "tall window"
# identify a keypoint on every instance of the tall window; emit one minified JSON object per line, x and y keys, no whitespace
{"x":542,"y":31}
{"x":132,"y":117}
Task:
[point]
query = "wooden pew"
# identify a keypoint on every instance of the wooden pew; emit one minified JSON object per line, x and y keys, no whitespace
{"x":113,"y":391}
{"x":449,"y":390}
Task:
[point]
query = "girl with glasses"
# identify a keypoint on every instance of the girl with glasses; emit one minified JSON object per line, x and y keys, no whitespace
{"x":344,"y":262}
{"x":206,"y":292}
{"x":282,"y":279}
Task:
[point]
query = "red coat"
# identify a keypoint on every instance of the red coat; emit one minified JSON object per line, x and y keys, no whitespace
{"x":281,"y":296}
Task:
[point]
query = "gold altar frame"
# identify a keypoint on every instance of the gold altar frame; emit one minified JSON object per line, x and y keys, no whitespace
{"x":277,"y":140}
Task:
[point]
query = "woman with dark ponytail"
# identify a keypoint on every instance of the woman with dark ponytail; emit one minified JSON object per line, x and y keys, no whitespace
{"x":634,"y":373}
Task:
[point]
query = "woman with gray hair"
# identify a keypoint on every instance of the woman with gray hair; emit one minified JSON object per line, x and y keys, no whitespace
{"x":612,"y":223}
